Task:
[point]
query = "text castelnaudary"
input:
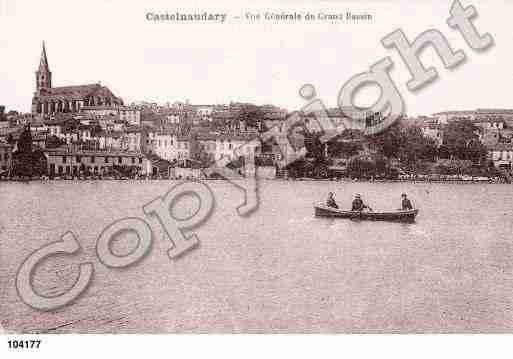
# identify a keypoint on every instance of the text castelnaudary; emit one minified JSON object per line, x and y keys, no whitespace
{"x":186,"y":17}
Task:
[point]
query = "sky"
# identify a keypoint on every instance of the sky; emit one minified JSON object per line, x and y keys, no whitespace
{"x":112,"y":42}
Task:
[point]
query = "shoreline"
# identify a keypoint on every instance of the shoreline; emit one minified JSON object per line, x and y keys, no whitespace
{"x":348,"y":181}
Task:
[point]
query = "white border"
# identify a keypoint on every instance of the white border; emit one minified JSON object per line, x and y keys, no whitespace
{"x":263,"y":346}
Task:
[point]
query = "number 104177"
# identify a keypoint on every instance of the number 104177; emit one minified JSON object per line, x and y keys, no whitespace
{"x":24,"y":344}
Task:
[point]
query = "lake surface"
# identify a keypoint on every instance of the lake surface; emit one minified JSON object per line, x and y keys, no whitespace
{"x":278,"y":270}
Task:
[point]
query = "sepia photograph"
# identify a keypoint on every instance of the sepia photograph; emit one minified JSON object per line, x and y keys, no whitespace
{"x":280,"y":167}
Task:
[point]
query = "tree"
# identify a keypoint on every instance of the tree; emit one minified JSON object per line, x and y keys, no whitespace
{"x":461,"y":141}
{"x":389,"y":141}
{"x":10,"y":139}
{"x":25,"y":140}
{"x":415,"y":147}
{"x":315,"y":149}
{"x":198,"y":153}
{"x":407,"y":144}
{"x":340,"y":148}
{"x":252,"y":116}
{"x":26,"y":161}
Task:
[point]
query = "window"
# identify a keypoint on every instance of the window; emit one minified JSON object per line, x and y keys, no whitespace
{"x":106,"y":159}
{"x":140,"y":159}
{"x":78,"y":158}
{"x":92,"y":159}
{"x":133,"y":159}
{"x":120,"y":159}
{"x":63,"y":159}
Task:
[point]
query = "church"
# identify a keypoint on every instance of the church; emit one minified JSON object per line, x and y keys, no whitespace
{"x":50,"y":100}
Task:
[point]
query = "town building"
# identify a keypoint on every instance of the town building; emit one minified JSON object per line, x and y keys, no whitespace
{"x":505,"y":115}
{"x":5,"y":158}
{"x":496,"y":123}
{"x":135,"y":139}
{"x":4,"y":122}
{"x":100,"y":111}
{"x":432,"y":129}
{"x":204,"y":112}
{"x":168,"y":145}
{"x":502,"y":155}
{"x":74,"y":162}
{"x":173,"y":118}
{"x":130,"y":115}
{"x":172,"y":146}
{"x":55,"y":127}
{"x":489,"y":138}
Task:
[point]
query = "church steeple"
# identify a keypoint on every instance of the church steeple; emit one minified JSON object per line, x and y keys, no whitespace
{"x":44,"y":59}
{"x":43,"y":74}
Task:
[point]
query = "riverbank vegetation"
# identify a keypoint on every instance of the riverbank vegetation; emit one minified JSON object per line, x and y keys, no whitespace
{"x":401,"y":152}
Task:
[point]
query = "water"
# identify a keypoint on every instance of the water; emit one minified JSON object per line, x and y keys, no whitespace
{"x":280,"y":270}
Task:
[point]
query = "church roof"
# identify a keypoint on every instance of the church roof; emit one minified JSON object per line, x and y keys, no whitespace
{"x":80,"y":91}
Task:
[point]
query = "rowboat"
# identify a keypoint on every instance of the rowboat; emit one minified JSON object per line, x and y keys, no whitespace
{"x":321,"y":210}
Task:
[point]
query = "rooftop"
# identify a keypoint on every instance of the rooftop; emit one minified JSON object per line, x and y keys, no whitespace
{"x":66,"y":151}
{"x":79,"y":91}
{"x":501,"y":147}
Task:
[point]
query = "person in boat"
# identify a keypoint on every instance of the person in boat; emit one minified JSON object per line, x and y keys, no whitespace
{"x":331,"y":201}
{"x":406,"y":203}
{"x":358,"y":204}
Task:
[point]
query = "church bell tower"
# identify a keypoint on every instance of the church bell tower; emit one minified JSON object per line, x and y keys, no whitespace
{"x":43,"y":74}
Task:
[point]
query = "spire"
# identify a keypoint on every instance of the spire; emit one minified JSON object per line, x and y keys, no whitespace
{"x":43,"y":74}
{"x":44,"y":60}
